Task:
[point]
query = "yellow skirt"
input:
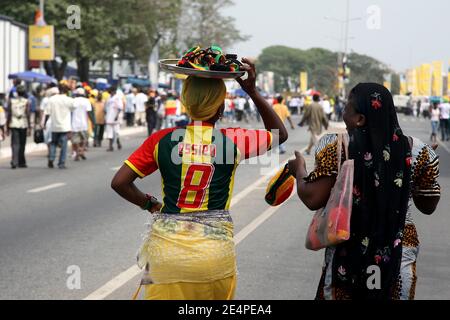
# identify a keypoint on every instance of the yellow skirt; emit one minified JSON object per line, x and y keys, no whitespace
{"x":216,"y":290}
{"x":189,"y":257}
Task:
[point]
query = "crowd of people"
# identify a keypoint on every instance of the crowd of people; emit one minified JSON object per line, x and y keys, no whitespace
{"x":58,"y":113}
{"x":77,"y":113}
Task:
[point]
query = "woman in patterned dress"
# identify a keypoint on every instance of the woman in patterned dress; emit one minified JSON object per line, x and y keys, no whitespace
{"x":391,"y":171}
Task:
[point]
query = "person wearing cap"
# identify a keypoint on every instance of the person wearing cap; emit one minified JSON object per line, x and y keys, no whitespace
{"x":82,"y":111}
{"x":51,"y":91}
{"x":190,"y":253}
{"x":18,"y":123}
{"x":59,"y":109}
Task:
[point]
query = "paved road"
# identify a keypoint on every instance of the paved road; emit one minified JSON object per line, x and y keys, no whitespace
{"x":81,"y":222}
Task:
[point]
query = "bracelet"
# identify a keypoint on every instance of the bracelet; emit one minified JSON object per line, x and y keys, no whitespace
{"x":151,"y":201}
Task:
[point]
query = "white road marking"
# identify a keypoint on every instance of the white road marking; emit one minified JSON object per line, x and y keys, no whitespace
{"x":257,"y":222}
{"x":114,"y":284}
{"x":115,"y":168}
{"x":50,"y":186}
{"x":132,"y":272}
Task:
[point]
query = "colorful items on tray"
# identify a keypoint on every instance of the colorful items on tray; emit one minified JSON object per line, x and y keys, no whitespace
{"x":209,"y":59}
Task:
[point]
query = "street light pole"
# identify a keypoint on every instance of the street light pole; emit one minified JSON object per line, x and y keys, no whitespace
{"x":41,"y":9}
{"x":342,"y":54}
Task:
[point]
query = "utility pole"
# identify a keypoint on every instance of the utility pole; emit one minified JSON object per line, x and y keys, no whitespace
{"x":41,"y":9}
{"x":343,"y":47}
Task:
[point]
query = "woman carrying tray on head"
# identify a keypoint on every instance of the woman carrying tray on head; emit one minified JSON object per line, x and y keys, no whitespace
{"x":189,"y":253}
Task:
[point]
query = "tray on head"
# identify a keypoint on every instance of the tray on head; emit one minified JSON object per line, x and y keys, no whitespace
{"x":170,"y":65}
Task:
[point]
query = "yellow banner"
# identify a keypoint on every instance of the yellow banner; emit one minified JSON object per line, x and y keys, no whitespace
{"x":303,"y":81}
{"x":403,"y":85}
{"x":41,"y":43}
{"x":410,"y":81}
{"x":425,"y":79}
{"x":448,"y":83}
{"x":416,"y":82}
{"x":437,"y":78}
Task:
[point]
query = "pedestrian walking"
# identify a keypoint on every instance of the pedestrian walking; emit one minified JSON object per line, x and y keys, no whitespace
{"x":190,"y":252}
{"x":59,"y":108}
{"x":315,"y":118}
{"x":283,"y":112}
{"x":113,"y":107}
{"x":140,"y":100}
{"x":19,"y":126}
{"x":435,"y":116}
{"x":82,"y":111}
{"x":130,"y":107}
{"x":444,"y":111}
{"x":390,"y":169}
{"x":171,"y":108}
{"x":2,"y":120}
{"x":326,"y":105}
{"x":99,"y":110}
{"x":50,"y":92}
{"x":150,"y":113}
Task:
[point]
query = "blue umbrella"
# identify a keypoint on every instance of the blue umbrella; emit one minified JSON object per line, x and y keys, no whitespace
{"x":30,"y":76}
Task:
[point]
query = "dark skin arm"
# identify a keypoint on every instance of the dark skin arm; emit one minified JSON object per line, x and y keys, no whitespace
{"x":270,"y":118}
{"x":313,"y":194}
{"x":123,"y":184}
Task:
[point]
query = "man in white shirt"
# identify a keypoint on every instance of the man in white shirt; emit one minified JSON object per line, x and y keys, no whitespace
{"x":113,"y":109}
{"x":130,"y":107}
{"x":140,"y":100}
{"x":82,"y":110}
{"x":294,"y":105}
{"x":326,"y":105}
{"x":59,"y":108}
{"x":240,"y":109}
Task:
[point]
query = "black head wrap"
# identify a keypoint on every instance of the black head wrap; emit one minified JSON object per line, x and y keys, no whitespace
{"x":381,"y":192}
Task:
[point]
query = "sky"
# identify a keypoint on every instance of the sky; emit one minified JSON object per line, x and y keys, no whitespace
{"x":400,"y":33}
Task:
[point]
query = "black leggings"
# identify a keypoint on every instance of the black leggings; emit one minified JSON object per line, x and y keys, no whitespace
{"x":18,"y":142}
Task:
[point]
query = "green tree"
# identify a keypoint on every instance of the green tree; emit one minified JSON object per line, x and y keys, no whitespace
{"x":83,"y":45}
{"x":142,"y":24}
{"x":202,"y":23}
{"x":365,"y":69}
{"x":321,"y":65}
{"x":130,"y":28}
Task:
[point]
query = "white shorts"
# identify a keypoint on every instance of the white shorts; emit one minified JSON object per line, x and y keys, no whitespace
{"x":112,"y":131}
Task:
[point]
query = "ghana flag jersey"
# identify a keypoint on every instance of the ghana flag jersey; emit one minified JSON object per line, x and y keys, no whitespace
{"x":197,"y":163}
